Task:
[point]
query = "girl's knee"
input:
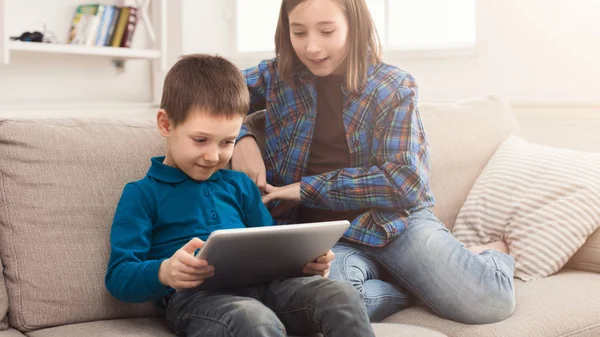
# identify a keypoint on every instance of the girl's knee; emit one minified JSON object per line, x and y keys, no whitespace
{"x":493,"y":304}
{"x":497,"y":311}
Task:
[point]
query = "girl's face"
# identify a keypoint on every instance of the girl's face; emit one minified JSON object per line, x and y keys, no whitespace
{"x":318,"y":31}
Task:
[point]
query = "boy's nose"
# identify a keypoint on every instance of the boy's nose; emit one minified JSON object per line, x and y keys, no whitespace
{"x":211,"y":156}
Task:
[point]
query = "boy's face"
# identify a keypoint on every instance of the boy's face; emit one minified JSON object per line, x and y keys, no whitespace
{"x":201,"y":145}
{"x":318,"y":32}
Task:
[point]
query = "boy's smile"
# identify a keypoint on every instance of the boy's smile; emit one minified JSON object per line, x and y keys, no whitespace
{"x":201,"y":145}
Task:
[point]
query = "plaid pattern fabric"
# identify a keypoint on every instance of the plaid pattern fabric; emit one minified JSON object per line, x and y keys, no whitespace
{"x":389,"y":176}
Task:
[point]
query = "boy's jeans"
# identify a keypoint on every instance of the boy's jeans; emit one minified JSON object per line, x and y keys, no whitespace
{"x":298,"y":306}
{"x":428,"y":262}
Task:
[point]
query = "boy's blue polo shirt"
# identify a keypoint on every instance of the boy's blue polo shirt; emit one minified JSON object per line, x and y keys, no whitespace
{"x":160,"y":213}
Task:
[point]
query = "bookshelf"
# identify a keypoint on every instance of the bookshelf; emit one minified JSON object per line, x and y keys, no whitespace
{"x":155,"y":28}
{"x":55,"y":48}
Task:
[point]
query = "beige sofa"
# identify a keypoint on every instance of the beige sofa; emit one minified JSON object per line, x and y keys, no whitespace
{"x":61,"y":179}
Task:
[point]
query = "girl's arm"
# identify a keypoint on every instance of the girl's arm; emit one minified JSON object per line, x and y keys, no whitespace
{"x":399,"y":180}
{"x":257,"y":86}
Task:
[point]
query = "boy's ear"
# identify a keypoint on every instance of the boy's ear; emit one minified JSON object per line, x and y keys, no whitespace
{"x":163,"y":123}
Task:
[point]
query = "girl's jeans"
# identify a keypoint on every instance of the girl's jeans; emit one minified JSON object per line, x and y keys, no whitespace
{"x":425,"y":261}
{"x":298,"y":306}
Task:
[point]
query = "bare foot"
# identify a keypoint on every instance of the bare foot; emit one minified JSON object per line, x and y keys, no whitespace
{"x":497,"y":245}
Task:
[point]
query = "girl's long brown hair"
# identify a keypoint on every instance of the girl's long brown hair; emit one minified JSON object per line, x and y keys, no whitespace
{"x":364,"y":47}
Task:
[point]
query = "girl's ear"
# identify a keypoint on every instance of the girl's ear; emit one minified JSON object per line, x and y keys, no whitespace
{"x":163,"y":123}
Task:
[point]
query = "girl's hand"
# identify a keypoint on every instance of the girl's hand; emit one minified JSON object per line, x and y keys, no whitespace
{"x":183,"y":269}
{"x":320,"y":266}
{"x":285,"y":193}
{"x":248,"y":159}
{"x":289,"y":195}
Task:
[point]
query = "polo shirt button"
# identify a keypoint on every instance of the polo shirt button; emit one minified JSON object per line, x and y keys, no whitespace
{"x":206,"y":193}
{"x":213,"y":215}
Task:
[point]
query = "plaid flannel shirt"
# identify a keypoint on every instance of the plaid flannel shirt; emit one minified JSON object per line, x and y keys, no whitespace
{"x":389,"y":153}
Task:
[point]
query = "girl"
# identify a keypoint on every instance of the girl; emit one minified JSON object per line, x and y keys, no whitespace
{"x":344,"y":140}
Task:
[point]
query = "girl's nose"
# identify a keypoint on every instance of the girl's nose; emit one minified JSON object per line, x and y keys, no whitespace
{"x":312,"y":47}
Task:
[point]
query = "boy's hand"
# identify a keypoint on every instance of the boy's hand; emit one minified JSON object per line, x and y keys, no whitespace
{"x":320,"y":266}
{"x":184,"y":270}
{"x":248,"y":159}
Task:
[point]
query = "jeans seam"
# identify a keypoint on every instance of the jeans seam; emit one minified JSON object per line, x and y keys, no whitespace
{"x":411,"y":289}
{"x":344,"y":270}
{"x":363,"y":294}
{"x":496,"y":268}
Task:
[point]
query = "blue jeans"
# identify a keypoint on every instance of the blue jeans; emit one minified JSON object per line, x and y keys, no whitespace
{"x":298,"y":306}
{"x":426,"y":262}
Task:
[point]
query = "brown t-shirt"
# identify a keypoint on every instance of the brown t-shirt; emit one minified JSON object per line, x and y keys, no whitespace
{"x":329,"y":147}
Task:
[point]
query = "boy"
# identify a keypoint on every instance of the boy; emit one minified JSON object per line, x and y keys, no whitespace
{"x":162,"y":219}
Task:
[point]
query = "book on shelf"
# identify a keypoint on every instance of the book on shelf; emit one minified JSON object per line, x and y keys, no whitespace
{"x":103,"y":25}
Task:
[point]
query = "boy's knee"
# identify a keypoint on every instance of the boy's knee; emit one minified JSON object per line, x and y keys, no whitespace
{"x":253,"y":318}
{"x":340,"y":292}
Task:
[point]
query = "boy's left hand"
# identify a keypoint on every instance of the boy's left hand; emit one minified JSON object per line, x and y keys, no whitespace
{"x":320,"y":266}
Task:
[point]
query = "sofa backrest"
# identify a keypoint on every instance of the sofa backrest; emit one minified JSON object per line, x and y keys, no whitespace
{"x":3,"y":299}
{"x":60,"y":181}
{"x":463,"y":136}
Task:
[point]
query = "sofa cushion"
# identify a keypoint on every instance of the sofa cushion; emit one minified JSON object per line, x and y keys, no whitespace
{"x":11,"y":333}
{"x":402,"y":330}
{"x":565,"y":304}
{"x":156,"y":327}
{"x":135,"y":327}
{"x":3,"y":298}
{"x":60,"y":183}
{"x":541,"y":200}
{"x":588,"y":257}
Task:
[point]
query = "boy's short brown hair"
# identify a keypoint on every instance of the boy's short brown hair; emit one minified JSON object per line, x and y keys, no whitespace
{"x":207,"y":82}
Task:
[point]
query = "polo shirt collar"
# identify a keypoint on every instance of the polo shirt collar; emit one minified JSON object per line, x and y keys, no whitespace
{"x":160,"y":171}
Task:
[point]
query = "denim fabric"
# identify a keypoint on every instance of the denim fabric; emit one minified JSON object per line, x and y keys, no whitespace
{"x":298,"y":306}
{"x":427,"y":263}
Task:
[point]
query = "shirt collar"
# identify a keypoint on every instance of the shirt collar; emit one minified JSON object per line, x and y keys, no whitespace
{"x":305,"y":76}
{"x":160,"y":171}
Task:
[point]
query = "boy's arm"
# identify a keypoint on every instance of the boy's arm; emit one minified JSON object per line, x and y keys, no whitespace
{"x":255,"y":212}
{"x":130,"y":277}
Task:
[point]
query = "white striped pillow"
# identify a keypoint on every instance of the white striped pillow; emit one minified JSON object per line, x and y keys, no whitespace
{"x":542,"y":201}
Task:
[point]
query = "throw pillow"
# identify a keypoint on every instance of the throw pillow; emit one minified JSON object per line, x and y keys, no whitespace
{"x":542,"y":201}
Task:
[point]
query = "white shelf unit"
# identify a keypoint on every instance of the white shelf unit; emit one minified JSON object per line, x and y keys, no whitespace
{"x":156,"y":28}
{"x":55,"y":48}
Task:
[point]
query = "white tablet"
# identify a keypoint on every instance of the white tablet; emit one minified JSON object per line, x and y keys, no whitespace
{"x":253,"y":256}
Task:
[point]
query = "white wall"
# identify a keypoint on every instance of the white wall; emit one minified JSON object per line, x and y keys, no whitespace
{"x":40,"y":81}
{"x":541,"y":54}
{"x":533,"y":50}
{"x":530,"y":51}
